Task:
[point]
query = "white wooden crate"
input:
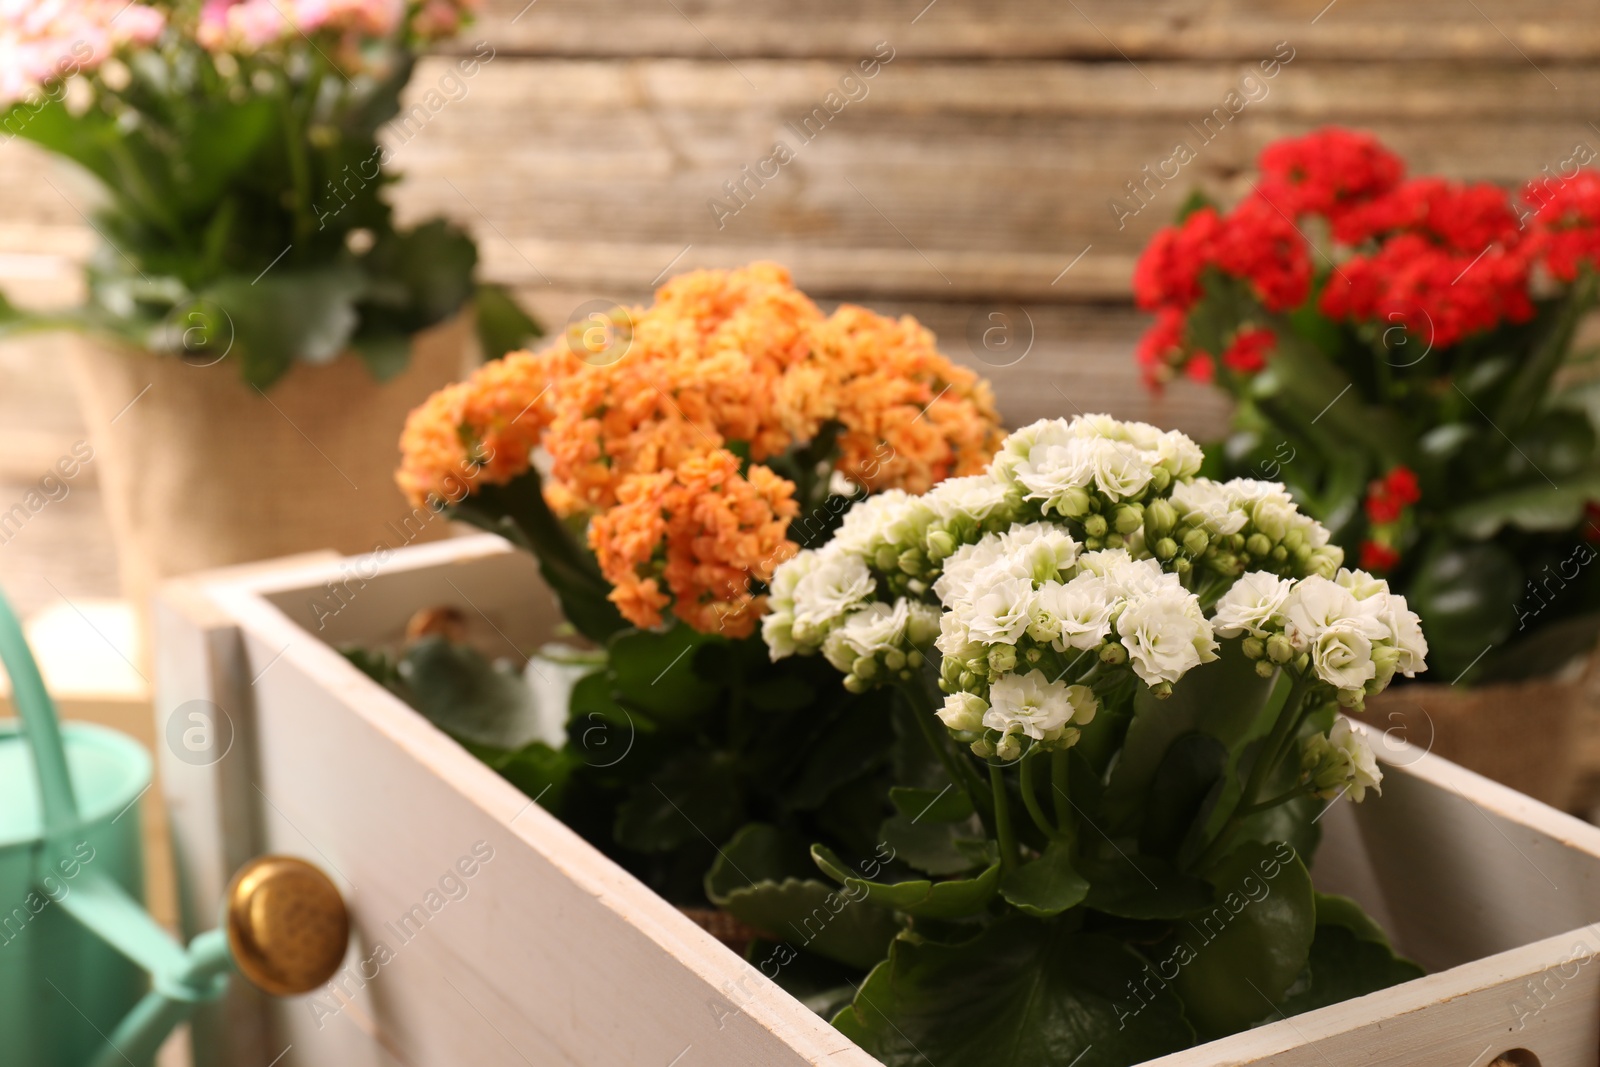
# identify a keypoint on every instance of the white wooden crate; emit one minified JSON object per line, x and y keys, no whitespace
{"x":553,"y":955}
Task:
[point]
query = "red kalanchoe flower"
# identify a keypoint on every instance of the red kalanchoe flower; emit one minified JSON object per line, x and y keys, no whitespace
{"x":1462,"y":218}
{"x":1260,"y":245}
{"x":1168,"y":273}
{"x":1327,"y":172}
{"x":1201,"y":368}
{"x":1389,"y":496}
{"x":1161,"y":347}
{"x":1401,"y":484}
{"x":1567,"y":221}
{"x":1378,"y":557}
{"x":1440,"y":296}
{"x":1249,"y":351}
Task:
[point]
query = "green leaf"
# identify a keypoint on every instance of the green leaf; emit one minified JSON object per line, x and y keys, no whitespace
{"x":465,"y":695}
{"x":1467,"y":597}
{"x":936,"y":848}
{"x":284,"y":316}
{"x":1227,"y":701}
{"x":952,"y":899}
{"x":812,"y":915}
{"x":1021,"y":994}
{"x":694,"y":798}
{"x":1350,"y":957}
{"x":758,"y":852}
{"x":502,"y":324}
{"x":541,"y":772}
{"x":652,"y":671}
{"x":1193,"y":764}
{"x":852,"y":744}
{"x":385,"y":354}
{"x":1047,"y":886}
{"x":1141,"y":887}
{"x":931,"y":805}
{"x":432,"y":266}
{"x":1237,"y":958}
{"x":1539,"y":508}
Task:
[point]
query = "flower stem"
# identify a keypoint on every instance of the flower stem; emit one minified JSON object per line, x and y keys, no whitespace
{"x":961,"y":775}
{"x":1002,"y":820}
{"x":1030,"y":799}
{"x":1058,"y":790}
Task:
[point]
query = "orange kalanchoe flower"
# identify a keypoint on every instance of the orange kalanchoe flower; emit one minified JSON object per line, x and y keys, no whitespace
{"x":640,"y":418}
{"x":910,"y":417}
{"x":704,"y":532}
{"x":480,"y":431}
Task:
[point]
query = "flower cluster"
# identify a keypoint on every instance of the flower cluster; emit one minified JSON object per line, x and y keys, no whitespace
{"x":699,"y":531}
{"x":252,"y":25}
{"x":1445,"y":260}
{"x":1085,"y":560}
{"x":645,"y":418}
{"x":1387,"y":500}
{"x":43,"y":42}
{"x":1340,"y":762}
{"x":1349,"y":631}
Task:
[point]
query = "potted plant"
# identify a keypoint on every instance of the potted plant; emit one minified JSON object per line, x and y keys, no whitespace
{"x":660,"y":463}
{"x":1141,"y":670}
{"x":1402,"y":355}
{"x":254,"y":312}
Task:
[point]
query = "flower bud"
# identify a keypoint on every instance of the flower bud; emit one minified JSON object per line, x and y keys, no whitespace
{"x":1166,"y":548}
{"x":1278,"y":649}
{"x":915,"y":658}
{"x":1258,"y":545}
{"x":1095,"y":526}
{"x":1351,"y":698}
{"x":886,"y":559}
{"x":1160,"y":478}
{"x":1161,"y":690}
{"x":1002,"y":659}
{"x":864,"y":667}
{"x":940,"y":545}
{"x":854,"y":684}
{"x":894,"y":659}
{"x":1181,"y":566}
{"x":1159,"y":518}
{"x":983,"y":748}
{"x":1195,"y":542}
{"x":1127,"y":518}
{"x":1264,"y":669}
{"x":1074,"y":503}
{"x":1253,"y":647}
{"x":1114,"y":540}
{"x":1279,"y":554}
{"x":1033,"y":655}
{"x":1009,"y":747}
{"x":1113,"y":654}
{"x":911,"y":561}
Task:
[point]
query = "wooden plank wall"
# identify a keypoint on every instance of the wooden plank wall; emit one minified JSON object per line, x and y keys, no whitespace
{"x":971,"y":177}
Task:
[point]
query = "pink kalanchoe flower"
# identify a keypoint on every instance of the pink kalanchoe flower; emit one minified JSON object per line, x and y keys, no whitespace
{"x":45,"y":41}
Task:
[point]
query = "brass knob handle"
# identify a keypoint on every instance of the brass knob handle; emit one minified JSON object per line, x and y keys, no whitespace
{"x":287,"y":925}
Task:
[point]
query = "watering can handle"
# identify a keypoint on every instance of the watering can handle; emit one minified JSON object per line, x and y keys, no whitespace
{"x":40,"y":726}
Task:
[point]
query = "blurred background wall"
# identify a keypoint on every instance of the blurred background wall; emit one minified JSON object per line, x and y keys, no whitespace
{"x":995,"y":174}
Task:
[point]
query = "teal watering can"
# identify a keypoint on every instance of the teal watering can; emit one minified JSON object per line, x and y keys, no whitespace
{"x":87,"y":978}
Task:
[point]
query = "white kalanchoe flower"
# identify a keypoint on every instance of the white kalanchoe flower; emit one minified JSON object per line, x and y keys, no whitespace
{"x":1343,"y":658}
{"x":1341,"y":762}
{"x":1253,"y":606}
{"x":1039,"y":709}
{"x":1166,"y":635}
{"x":963,"y":712}
{"x":1039,"y":550}
{"x":836,"y":583}
{"x":955,"y":584}
{"x":1205,"y":504}
{"x":975,"y":497}
{"x":777,"y":629}
{"x":1002,"y":606}
{"x":1076,"y":614}
{"x":863,"y":525}
{"x":1318,"y":604}
{"x":1058,"y":476}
